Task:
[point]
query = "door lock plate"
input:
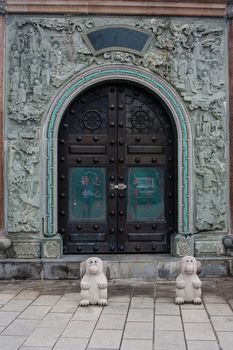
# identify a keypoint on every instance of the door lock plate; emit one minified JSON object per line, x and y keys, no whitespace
{"x":119,"y":187}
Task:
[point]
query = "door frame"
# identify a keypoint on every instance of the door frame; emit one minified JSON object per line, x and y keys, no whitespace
{"x":172,"y":102}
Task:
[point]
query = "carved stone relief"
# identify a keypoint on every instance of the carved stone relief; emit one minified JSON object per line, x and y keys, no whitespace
{"x":26,"y":250}
{"x":23,"y":186}
{"x":44,"y":52}
{"x":210,"y":171}
{"x":51,"y":248}
{"x":205,"y":248}
{"x":182,"y":245}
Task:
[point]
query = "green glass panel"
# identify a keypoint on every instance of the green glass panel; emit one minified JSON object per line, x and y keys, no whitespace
{"x":87,"y":194}
{"x":145,"y":198}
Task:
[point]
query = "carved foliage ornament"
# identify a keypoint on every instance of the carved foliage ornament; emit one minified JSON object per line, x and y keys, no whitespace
{"x":45,"y":52}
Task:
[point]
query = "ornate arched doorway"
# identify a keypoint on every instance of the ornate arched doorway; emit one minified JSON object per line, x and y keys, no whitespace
{"x":117,"y":178}
{"x":52,"y":123}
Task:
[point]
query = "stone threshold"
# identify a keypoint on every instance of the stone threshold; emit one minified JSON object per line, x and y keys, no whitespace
{"x":148,"y":267}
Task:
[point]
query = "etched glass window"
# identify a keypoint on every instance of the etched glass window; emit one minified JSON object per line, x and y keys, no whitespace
{"x":117,"y":38}
{"x":145,"y":197}
{"x":87,"y":194}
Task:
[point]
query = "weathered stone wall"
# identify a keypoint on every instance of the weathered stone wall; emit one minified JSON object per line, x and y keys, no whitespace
{"x":2,"y":31}
{"x":43,"y":53}
{"x":230,"y":58}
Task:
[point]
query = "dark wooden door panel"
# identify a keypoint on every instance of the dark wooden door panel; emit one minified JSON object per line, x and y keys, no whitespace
{"x":116,"y":172}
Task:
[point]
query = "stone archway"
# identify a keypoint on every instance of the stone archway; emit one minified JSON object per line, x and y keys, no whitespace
{"x":171,"y":100}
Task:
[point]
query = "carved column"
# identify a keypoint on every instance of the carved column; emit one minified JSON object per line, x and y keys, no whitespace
{"x":4,"y":242}
{"x":228,"y":240}
{"x":182,"y":245}
{"x":230,"y":59}
{"x":2,"y":18}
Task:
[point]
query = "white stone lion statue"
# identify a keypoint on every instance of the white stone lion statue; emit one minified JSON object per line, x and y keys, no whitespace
{"x":93,"y":283}
{"x":188,"y":284}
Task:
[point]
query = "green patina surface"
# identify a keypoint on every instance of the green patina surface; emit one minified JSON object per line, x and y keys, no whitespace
{"x":45,"y":52}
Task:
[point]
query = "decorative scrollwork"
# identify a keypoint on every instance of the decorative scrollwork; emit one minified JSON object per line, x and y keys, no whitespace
{"x":44,"y":52}
{"x":140,"y":120}
{"x":91,"y":120}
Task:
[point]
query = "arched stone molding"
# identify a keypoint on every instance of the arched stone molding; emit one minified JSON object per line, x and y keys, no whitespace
{"x":159,"y":87}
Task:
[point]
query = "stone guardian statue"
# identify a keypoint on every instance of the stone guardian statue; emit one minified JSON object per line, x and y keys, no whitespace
{"x":93,"y":283}
{"x":188,"y":284}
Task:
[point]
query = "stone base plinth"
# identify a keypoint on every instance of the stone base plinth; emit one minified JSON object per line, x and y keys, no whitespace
{"x":182,"y":245}
{"x":147,"y":267}
{"x":26,"y":250}
{"x":51,"y":247}
{"x":208,"y":245}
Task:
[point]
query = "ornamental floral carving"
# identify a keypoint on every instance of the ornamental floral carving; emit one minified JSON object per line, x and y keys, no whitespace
{"x":44,"y":52}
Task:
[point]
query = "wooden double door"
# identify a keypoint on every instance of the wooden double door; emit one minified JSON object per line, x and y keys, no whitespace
{"x":116,"y":172}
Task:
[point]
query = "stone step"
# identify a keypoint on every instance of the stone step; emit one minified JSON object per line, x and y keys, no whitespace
{"x":148,"y":267}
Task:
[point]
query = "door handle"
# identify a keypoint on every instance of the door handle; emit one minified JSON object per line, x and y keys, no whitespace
{"x":119,"y":187}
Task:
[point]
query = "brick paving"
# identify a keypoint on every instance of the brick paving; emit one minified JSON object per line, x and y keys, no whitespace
{"x":45,"y":315}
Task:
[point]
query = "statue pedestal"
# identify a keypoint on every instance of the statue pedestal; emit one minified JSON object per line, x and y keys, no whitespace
{"x":51,"y":247}
{"x":182,"y":245}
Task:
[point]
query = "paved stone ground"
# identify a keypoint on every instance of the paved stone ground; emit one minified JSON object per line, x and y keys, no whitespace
{"x":45,"y":315}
